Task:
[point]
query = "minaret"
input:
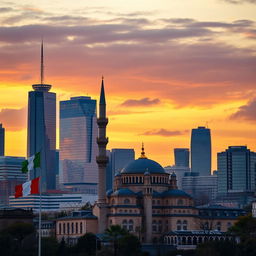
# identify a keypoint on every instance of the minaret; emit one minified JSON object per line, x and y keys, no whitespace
{"x":102,"y":160}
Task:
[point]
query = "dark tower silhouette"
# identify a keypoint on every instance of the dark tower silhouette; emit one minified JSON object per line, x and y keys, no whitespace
{"x":102,"y":160}
{"x":2,"y":137}
{"x":42,"y":129}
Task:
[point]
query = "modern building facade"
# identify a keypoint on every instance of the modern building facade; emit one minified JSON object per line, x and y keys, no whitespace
{"x":181,"y":157}
{"x":201,"y":151}
{"x":53,"y":202}
{"x":42,"y":131}
{"x":2,"y":140}
{"x":202,"y":188}
{"x":236,"y":170}
{"x":78,"y":147}
{"x":10,"y":176}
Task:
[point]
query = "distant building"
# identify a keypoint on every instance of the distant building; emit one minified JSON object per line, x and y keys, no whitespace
{"x":236,"y":170}
{"x":120,"y":157}
{"x":78,"y":133}
{"x":42,"y":131}
{"x":179,"y":171}
{"x":202,"y":188}
{"x":10,"y":176}
{"x":181,"y":156}
{"x":9,"y":216}
{"x":2,"y":140}
{"x":70,"y":228}
{"x":53,"y":202}
{"x":201,"y":151}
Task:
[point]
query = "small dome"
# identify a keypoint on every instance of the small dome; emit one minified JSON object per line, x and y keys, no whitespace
{"x":124,"y":192}
{"x":142,"y":165}
{"x":175,"y":193}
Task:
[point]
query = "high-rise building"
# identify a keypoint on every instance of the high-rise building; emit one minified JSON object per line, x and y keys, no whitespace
{"x":10,"y":176}
{"x":236,"y":170}
{"x":181,"y":156}
{"x":2,"y":137}
{"x":202,"y":188}
{"x":42,"y":130}
{"x":78,"y":147}
{"x":201,"y":151}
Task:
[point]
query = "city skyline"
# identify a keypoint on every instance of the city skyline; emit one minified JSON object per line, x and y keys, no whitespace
{"x":171,"y":69}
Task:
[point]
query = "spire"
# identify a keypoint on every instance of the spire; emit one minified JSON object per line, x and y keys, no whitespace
{"x":142,"y":152}
{"x":42,"y":62}
{"x":102,"y":93}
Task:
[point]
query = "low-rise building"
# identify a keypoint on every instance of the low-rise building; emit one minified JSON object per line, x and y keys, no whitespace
{"x":70,"y":228}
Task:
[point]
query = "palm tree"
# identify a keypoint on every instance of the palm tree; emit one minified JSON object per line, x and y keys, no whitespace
{"x":113,"y":234}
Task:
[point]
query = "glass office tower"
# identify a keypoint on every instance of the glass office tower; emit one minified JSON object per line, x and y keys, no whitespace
{"x":201,"y":151}
{"x":78,"y":148}
{"x":42,"y":133}
{"x":2,"y":137}
{"x":181,"y":156}
{"x":236,"y":170}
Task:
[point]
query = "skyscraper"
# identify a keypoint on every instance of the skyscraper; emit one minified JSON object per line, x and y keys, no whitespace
{"x":201,"y":151}
{"x":42,"y":130}
{"x":2,"y":137}
{"x":10,"y":176}
{"x":78,"y":133}
{"x":236,"y":170}
{"x":181,"y":156}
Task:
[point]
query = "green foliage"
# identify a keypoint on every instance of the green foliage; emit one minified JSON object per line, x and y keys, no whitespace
{"x":49,"y":246}
{"x":129,"y":245}
{"x":86,"y":245}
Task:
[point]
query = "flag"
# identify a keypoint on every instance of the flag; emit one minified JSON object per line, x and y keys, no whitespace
{"x":31,"y":163}
{"x":27,"y":188}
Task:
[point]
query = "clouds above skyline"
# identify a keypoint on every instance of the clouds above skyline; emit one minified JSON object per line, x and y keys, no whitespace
{"x":164,"y":133}
{"x":141,"y":102}
{"x":246,"y":112}
{"x":240,"y":1}
{"x":13,"y":119}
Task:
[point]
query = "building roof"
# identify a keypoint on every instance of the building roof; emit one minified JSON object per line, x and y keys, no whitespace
{"x":79,"y":215}
{"x":176,"y":193}
{"x":142,"y":165}
{"x":124,"y":192}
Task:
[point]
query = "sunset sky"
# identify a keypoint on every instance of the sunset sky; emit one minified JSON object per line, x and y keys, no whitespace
{"x":169,"y":66}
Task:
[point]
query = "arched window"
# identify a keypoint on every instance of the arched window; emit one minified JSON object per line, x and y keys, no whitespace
{"x":59,"y":228}
{"x":154,"y":226}
{"x":124,"y":224}
{"x":180,"y":202}
{"x":64,"y":228}
{"x":218,"y":226}
{"x":185,"y":225}
{"x":178,"y":225}
{"x":81,"y":227}
{"x":130,"y":226}
{"x":159,"y":226}
{"x":153,"y":202}
{"x":76,"y":228}
{"x":68,"y":228}
{"x":126,"y":201}
{"x":72,"y":228}
{"x":113,"y":201}
{"x":229,"y":225}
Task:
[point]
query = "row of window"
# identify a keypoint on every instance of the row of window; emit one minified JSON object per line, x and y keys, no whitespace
{"x":70,"y":228}
{"x":140,"y":180}
{"x":170,"y":211}
{"x":182,"y":225}
{"x":128,"y":225}
{"x":217,"y":226}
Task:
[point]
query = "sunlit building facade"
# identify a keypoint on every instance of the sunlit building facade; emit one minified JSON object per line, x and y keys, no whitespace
{"x":201,"y":151}
{"x":78,"y":148}
{"x":42,"y":133}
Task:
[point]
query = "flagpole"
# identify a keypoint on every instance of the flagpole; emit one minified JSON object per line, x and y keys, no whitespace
{"x":40,"y":213}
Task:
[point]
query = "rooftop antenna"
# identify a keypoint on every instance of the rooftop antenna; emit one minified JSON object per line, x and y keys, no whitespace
{"x":42,"y":62}
{"x":206,"y":124}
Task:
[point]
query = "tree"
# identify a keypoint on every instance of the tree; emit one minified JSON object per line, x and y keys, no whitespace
{"x":113,"y":234}
{"x":49,"y":246}
{"x":87,"y":206}
{"x":86,"y":244}
{"x":129,"y":245}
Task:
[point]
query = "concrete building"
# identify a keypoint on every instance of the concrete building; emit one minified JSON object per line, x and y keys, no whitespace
{"x":181,"y":157}
{"x":42,"y":130}
{"x":236,"y":170}
{"x":53,"y":202}
{"x":202,"y":188}
{"x":2,"y":140}
{"x":201,"y":151}
{"x":78,"y":133}
{"x":10,"y":176}
{"x":70,"y":228}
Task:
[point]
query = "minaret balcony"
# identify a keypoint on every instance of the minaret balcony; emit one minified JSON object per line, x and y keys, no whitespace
{"x":102,"y":122}
{"x":102,"y":160}
{"x":102,"y":141}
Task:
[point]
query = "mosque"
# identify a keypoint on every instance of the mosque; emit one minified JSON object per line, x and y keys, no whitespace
{"x":145,"y":199}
